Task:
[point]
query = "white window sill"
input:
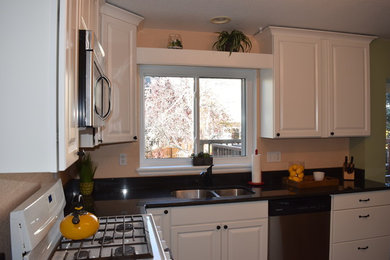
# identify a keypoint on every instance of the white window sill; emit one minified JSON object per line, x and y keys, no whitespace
{"x":190,"y":170}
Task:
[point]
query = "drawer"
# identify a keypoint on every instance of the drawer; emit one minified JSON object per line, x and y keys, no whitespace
{"x":361,"y":200}
{"x":218,"y":212}
{"x":354,"y":224}
{"x":368,"y":249}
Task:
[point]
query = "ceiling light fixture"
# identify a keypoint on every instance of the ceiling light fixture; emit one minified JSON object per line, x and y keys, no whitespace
{"x":220,"y":20}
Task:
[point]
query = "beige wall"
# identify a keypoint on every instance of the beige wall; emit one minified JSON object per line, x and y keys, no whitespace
{"x":314,"y":152}
{"x":370,"y":151}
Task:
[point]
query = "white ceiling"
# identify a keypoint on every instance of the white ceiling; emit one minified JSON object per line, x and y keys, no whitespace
{"x":355,"y":16}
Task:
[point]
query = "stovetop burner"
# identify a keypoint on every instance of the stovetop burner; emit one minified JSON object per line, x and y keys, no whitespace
{"x":117,"y":236}
{"x":125,"y":250}
{"x":83,"y":254}
{"x":105,"y":239}
{"x":124,"y":227}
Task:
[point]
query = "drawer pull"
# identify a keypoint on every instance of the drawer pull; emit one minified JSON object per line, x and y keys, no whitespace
{"x":366,"y":200}
{"x":366,"y":216}
{"x":362,"y":248}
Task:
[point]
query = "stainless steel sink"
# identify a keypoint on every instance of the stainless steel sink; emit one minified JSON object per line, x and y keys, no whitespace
{"x":233,"y":192}
{"x":210,"y":193}
{"x":194,"y":194}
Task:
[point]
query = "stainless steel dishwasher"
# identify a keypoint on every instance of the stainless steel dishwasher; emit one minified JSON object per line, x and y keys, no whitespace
{"x":299,"y":228}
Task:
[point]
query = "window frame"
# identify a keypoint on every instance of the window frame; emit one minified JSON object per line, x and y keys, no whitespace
{"x":184,"y":165}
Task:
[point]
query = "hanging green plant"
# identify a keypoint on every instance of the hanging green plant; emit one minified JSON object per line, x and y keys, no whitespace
{"x":232,"y":42}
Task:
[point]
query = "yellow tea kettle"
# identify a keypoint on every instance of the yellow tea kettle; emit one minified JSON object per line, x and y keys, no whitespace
{"x":80,"y":224}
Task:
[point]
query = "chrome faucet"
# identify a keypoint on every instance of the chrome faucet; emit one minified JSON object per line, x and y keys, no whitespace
{"x":207,"y":176}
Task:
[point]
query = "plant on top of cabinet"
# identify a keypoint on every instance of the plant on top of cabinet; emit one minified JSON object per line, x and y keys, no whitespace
{"x":232,"y":42}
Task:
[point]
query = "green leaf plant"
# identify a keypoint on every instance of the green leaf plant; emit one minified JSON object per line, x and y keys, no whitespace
{"x":234,"y":41}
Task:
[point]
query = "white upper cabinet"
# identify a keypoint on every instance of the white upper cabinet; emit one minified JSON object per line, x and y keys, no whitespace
{"x":68,"y":91}
{"x":89,"y":15}
{"x":349,"y":87}
{"x":319,"y":85}
{"x":38,"y":129}
{"x":119,"y":31}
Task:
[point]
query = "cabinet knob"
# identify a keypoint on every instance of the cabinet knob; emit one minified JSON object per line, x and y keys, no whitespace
{"x":225,"y":226}
{"x":277,"y":134}
{"x":365,"y":216}
{"x":165,"y":211}
{"x":366,"y":200}
{"x":331,"y":133}
{"x":218,"y":227}
{"x":362,"y":248}
{"x":135,"y":137}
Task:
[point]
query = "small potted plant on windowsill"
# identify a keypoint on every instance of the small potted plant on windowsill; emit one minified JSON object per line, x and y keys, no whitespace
{"x":202,"y":159}
{"x":86,"y":170}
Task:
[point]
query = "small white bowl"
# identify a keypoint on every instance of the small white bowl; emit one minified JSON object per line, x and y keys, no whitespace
{"x":318,"y":176}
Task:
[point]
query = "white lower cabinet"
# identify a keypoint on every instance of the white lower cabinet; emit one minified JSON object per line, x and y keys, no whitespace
{"x":245,"y":239}
{"x":374,"y":248}
{"x":229,"y":240}
{"x":359,"y":226}
{"x":230,"y":231}
{"x":193,"y":242}
{"x":162,"y":220}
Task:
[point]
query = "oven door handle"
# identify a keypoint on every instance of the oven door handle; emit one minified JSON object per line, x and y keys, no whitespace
{"x":104,"y":116}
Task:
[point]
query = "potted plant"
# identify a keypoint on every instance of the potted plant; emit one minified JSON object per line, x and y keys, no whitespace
{"x":86,"y":170}
{"x":202,"y":159}
{"x":232,"y":42}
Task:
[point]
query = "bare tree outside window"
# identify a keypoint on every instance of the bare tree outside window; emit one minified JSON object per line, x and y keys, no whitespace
{"x":170,"y":107}
{"x":169,"y":119}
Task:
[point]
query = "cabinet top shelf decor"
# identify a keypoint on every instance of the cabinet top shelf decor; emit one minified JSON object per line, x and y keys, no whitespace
{"x":160,"y":56}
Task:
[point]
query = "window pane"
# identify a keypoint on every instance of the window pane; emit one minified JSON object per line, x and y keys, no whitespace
{"x":169,"y":119}
{"x":220,"y":116}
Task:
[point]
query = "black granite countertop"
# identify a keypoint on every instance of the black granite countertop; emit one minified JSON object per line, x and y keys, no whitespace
{"x":132,"y":195}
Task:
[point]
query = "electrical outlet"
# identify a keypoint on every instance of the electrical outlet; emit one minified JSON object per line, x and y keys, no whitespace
{"x":123,"y":159}
{"x":274,"y":156}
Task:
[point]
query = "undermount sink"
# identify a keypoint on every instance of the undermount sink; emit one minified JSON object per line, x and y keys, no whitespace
{"x":210,"y":193}
{"x":193,"y":194}
{"x":233,"y":192}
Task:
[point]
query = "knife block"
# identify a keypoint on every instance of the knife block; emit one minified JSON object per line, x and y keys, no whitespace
{"x":349,"y":175}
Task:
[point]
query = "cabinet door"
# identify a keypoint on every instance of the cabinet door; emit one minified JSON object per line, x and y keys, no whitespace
{"x":349,"y":93}
{"x":245,"y":240}
{"x":119,"y":44}
{"x":68,"y":132}
{"x":161,"y":217}
{"x":94,"y":19}
{"x":84,"y":15}
{"x":352,"y":224}
{"x":368,"y":249}
{"x":195,"y":242}
{"x":297,"y":86}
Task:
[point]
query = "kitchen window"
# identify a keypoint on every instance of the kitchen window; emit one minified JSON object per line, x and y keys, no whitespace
{"x":186,"y":110}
